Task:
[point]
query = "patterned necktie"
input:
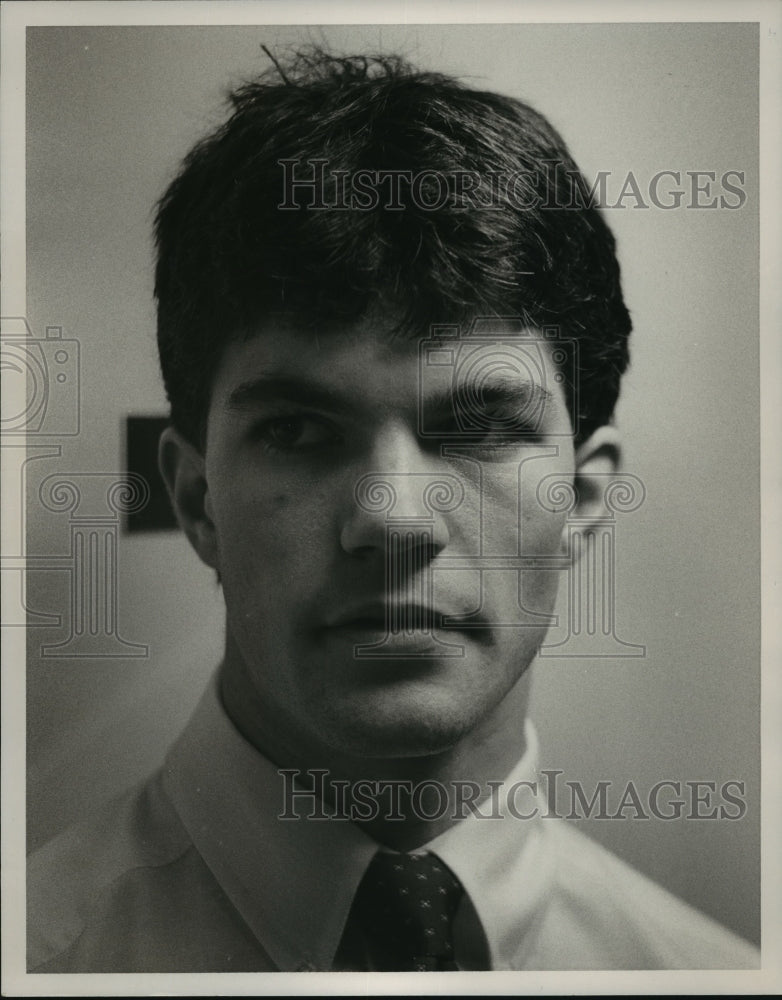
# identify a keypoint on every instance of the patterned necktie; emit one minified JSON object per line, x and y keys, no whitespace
{"x":405,"y":905}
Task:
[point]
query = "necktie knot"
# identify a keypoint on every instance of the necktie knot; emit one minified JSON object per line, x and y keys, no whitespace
{"x":406,"y":903}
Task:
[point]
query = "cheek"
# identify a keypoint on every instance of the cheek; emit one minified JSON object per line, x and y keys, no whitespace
{"x":541,"y":530}
{"x":543,"y":515}
{"x":267,"y":531}
{"x":515,"y":512}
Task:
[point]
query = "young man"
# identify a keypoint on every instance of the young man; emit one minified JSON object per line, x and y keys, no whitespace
{"x":392,"y":334}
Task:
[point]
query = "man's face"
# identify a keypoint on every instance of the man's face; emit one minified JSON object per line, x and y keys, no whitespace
{"x":358,"y":494}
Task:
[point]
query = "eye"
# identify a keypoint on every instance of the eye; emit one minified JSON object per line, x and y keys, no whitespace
{"x":295,"y":432}
{"x":493,"y":429}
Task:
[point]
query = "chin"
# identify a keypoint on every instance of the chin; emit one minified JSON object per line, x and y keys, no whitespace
{"x":420,"y":730}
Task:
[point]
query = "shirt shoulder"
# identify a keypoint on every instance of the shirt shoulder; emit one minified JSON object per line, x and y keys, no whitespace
{"x":126,"y":891}
{"x":68,"y":878}
{"x":613,"y":917}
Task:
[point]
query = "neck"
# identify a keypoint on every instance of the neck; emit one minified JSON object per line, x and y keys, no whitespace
{"x":386,"y":796}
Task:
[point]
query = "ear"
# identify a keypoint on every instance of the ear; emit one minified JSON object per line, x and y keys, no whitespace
{"x":596,"y":460}
{"x":183,"y":470}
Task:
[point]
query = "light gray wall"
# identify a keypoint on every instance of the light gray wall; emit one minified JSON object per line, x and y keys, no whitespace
{"x":111,"y":112}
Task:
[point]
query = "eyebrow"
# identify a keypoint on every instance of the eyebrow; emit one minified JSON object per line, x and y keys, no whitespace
{"x":257,"y":391}
{"x":498,"y":391}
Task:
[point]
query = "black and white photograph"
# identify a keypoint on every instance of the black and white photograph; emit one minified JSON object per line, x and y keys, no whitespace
{"x":391,"y":482}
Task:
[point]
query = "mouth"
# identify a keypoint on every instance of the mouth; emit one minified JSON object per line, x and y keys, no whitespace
{"x":391,"y":617}
{"x":397,"y":629}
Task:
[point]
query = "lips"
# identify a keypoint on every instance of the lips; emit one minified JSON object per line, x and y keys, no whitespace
{"x":369,"y":621}
{"x":387,"y":616}
{"x":405,"y":630}
{"x":397,"y":630}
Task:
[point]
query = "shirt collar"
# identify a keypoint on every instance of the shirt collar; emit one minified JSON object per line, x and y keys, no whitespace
{"x":500,"y":856}
{"x":293,"y":880}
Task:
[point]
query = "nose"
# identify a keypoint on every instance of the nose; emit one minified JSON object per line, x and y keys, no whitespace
{"x":400,"y":499}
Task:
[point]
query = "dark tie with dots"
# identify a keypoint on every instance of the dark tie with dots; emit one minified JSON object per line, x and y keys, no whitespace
{"x":406,"y":903}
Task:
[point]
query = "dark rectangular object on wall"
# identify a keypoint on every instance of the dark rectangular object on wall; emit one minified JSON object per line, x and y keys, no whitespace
{"x":141,"y":443}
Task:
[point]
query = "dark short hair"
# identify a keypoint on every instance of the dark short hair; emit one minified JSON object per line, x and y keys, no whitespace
{"x":229,"y":258}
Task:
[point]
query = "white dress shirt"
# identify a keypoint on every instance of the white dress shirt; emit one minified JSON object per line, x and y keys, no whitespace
{"x":194,"y":871}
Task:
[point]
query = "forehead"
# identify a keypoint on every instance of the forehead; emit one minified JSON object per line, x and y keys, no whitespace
{"x":372,"y":360}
